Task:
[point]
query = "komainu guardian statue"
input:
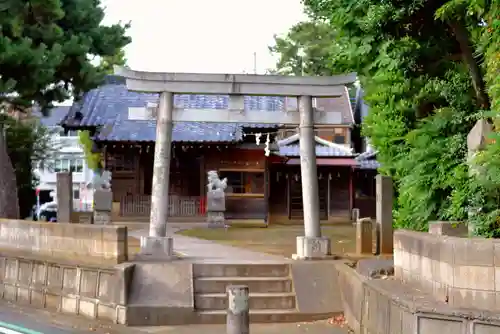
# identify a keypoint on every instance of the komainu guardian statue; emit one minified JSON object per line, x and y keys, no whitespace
{"x":216,"y":199}
{"x":215,"y":183}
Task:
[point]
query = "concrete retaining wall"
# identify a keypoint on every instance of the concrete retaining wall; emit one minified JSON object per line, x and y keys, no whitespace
{"x":465,"y":272}
{"x":388,"y":306}
{"x":89,"y":291}
{"x":78,"y":243}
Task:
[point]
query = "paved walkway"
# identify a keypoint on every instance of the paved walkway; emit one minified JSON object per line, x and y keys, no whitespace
{"x":209,"y":250}
{"x":43,"y":321}
{"x":319,"y":327}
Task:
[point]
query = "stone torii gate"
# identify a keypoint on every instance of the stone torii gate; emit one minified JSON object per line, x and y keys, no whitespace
{"x":160,"y":246}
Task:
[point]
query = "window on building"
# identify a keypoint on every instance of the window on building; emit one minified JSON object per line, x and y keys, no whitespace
{"x":339,"y":139}
{"x":69,"y":133}
{"x":76,"y":165}
{"x":336,"y":135}
{"x":339,"y":136}
{"x":61,"y":165}
{"x":76,"y":194}
{"x":68,"y":165}
{"x":244,"y":182}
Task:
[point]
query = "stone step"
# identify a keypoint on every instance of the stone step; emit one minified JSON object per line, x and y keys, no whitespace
{"x":261,"y":316}
{"x":259,"y":301}
{"x":241,"y":270}
{"x":255,"y":284}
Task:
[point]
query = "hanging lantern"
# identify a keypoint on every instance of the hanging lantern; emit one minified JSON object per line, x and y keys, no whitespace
{"x":320,"y":176}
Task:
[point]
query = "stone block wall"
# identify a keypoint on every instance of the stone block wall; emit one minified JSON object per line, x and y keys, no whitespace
{"x":77,"y":243}
{"x":377,"y":306}
{"x":465,"y":272}
{"x":95,"y":292}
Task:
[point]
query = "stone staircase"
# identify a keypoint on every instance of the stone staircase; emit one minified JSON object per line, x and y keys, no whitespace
{"x":272,"y":296}
{"x":180,"y":293}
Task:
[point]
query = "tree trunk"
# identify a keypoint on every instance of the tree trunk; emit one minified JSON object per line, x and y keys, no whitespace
{"x":462,"y":37}
{"x":9,"y":202}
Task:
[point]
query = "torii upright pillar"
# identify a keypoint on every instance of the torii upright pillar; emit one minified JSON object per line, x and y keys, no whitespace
{"x":312,"y":245}
{"x":157,"y":245}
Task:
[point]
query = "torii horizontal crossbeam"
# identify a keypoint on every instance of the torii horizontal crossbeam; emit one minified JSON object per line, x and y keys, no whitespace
{"x":238,"y":84}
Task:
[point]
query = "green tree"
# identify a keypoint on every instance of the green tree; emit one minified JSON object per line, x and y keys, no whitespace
{"x":424,"y":66}
{"x":28,"y":145}
{"x":306,"y":49}
{"x":107,"y":63}
{"x":93,"y":158}
{"x":46,"y":47}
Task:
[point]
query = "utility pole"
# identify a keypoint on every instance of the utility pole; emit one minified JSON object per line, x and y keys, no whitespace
{"x":255,"y":63}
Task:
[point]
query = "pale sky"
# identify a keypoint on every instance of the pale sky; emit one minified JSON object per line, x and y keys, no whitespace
{"x":207,"y":36}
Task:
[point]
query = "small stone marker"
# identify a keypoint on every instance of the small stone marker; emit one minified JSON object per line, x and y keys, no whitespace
{"x":64,"y":197}
{"x":364,"y":230}
{"x":477,"y":139}
{"x":103,"y":198}
{"x":103,"y":203}
{"x":453,"y":229}
{"x":384,"y":196}
{"x":355,"y":215}
{"x":238,"y":311}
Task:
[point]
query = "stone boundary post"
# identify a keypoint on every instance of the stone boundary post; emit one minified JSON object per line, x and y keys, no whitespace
{"x":238,"y":311}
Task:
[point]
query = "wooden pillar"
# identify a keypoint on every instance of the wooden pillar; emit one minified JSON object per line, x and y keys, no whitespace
{"x":351,"y":190}
{"x":266,"y":192}
{"x":288,"y":195}
{"x":328,"y":194}
{"x":137,"y":164}
{"x":105,"y":157}
{"x":201,"y":162}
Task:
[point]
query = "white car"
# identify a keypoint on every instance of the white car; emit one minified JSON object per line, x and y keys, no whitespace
{"x":47,"y":212}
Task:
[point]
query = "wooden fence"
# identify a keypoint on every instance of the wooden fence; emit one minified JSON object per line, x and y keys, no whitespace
{"x":179,"y":206}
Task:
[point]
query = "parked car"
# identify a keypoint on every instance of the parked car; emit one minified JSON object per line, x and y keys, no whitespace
{"x":47,"y":212}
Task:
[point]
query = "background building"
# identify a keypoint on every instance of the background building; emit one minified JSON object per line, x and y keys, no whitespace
{"x":69,"y":156}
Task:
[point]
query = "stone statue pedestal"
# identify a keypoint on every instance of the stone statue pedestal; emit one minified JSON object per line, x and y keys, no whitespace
{"x":216,"y":206}
{"x":103,"y":204}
